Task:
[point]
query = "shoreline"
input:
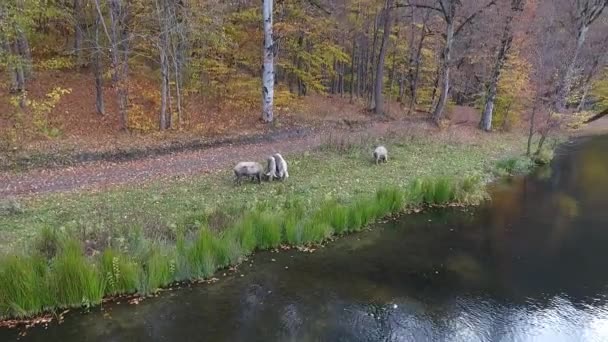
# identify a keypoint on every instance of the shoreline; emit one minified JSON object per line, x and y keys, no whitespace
{"x":198,"y":254}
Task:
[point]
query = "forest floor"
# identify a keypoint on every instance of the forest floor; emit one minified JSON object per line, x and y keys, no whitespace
{"x":58,"y":172}
{"x":156,"y":195}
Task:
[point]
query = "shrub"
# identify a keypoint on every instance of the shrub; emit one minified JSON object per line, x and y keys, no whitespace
{"x":389,"y":200}
{"x":471,"y":191}
{"x":121,"y":274}
{"x":157,"y":270}
{"x":292,"y":228}
{"x":267,"y":230}
{"x":10,"y":207}
{"x":23,"y":286}
{"x":316,"y":231}
{"x":544,"y":156}
{"x":47,"y":242}
{"x":200,"y":255}
{"x":73,"y":280}
{"x":514,"y":166}
{"x":443,"y":191}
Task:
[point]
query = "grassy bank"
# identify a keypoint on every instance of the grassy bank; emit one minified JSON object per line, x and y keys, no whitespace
{"x":82,"y":247}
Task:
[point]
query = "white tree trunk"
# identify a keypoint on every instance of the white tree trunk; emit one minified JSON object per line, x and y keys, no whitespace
{"x":268,"y":71}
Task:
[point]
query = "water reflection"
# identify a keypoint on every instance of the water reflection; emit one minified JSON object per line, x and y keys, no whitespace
{"x":529,"y":266}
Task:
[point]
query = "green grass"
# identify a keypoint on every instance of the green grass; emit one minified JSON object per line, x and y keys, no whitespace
{"x":121,"y":275}
{"x":156,"y":271}
{"x":149,"y":237}
{"x":514,"y":166}
{"x":73,"y":279}
{"x":23,"y":286}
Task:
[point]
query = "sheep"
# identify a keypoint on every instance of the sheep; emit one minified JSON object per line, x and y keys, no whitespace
{"x":248,"y":169}
{"x":271,"y":171}
{"x":380,"y":154}
{"x":281,"y":167}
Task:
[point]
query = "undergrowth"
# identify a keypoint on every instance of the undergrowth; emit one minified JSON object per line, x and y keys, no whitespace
{"x":59,"y":274}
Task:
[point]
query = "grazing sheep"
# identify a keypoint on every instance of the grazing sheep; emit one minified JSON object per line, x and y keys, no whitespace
{"x":271,"y":170}
{"x":281,"y":166}
{"x":248,"y":169}
{"x":380,"y":154}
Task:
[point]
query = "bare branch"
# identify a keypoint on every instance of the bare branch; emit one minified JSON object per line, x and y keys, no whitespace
{"x":316,"y":4}
{"x":472,"y":16}
{"x":418,"y":6}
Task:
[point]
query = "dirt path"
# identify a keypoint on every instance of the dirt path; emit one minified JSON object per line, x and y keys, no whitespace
{"x":99,"y":175}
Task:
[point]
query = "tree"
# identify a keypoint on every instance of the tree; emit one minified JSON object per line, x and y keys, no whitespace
{"x":415,"y":61}
{"x":78,"y":30}
{"x":448,"y":10}
{"x":378,"y":98}
{"x":119,"y":38}
{"x":505,"y":45}
{"x":15,"y":51}
{"x":586,"y":12}
{"x":268,"y":65}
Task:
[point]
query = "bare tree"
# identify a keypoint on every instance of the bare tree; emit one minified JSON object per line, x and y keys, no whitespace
{"x":415,"y":57}
{"x":505,"y":45}
{"x":98,"y":68}
{"x":378,"y":98}
{"x":78,"y":30}
{"x":448,"y":10}
{"x":119,"y":39}
{"x":268,"y":66}
{"x":586,"y":12}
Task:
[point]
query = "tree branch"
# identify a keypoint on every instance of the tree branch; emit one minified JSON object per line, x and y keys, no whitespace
{"x":316,"y":4}
{"x":472,"y":16}
{"x":418,"y":6}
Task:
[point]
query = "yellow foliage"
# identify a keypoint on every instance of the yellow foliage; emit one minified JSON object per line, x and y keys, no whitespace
{"x":513,"y":92}
{"x":56,"y":63}
{"x":40,"y":109}
{"x":599,"y":91}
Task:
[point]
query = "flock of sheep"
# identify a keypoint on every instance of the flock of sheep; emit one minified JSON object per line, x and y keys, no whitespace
{"x":277,"y":167}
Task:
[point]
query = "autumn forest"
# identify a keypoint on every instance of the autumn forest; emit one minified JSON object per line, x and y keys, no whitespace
{"x":75,"y":69}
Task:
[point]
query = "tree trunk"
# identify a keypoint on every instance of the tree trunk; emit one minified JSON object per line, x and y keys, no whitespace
{"x":401,"y":88}
{"x":566,"y":83}
{"x":531,"y":132}
{"x":414,"y":73}
{"x":98,"y":72}
{"x":435,"y":86}
{"x":78,"y":31}
{"x":120,"y":53}
{"x":24,"y":52}
{"x":352,"y":70}
{"x":587,"y":12}
{"x":505,"y":45}
{"x":372,"y":64}
{"x":581,"y":104}
{"x":268,"y":69}
{"x":378,"y":98}
{"x":445,"y":75}
{"x":164,"y":70}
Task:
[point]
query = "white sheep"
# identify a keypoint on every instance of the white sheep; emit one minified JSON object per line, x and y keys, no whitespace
{"x":248,"y":169}
{"x":281,"y":167}
{"x":380,"y":154}
{"x":271,"y":170}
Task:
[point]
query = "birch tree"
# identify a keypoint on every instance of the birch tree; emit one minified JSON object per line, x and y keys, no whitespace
{"x":268,"y":64}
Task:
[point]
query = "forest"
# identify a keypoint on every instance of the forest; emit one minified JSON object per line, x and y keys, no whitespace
{"x":90,"y":70}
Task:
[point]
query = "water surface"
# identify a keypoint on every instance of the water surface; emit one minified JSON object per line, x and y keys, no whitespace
{"x":528,"y":266}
